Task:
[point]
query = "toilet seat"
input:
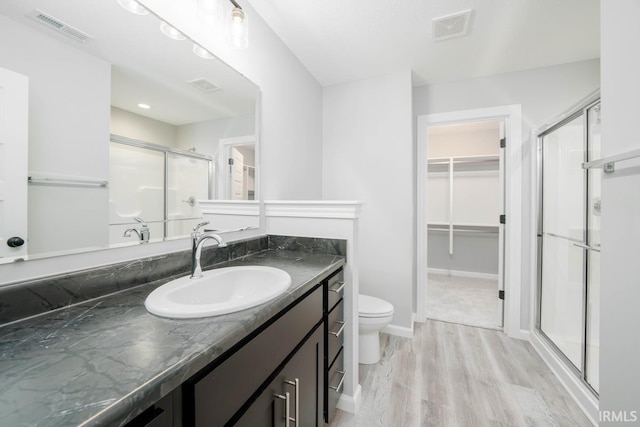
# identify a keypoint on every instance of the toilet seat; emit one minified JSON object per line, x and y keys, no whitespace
{"x":372,"y":307}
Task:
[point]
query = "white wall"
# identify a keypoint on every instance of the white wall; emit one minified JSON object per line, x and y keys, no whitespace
{"x":68,"y":135}
{"x":474,"y":143}
{"x":543,"y":93}
{"x":134,"y":126}
{"x":204,"y":136}
{"x":620,"y":341}
{"x":368,"y":156}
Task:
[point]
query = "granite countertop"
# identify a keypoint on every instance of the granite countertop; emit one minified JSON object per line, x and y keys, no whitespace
{"x":104,"y":361}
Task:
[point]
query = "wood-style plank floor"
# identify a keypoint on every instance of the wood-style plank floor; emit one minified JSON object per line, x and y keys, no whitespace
{"x":452,"y":375}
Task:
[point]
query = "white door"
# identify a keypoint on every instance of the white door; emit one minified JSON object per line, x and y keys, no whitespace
{"x":501,"y":226}
{"x":14,"y":101}
{"x":236,"y":168}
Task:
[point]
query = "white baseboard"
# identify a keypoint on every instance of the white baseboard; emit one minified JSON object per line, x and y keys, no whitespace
{"x":462,"y":273}
{"x":576,"y":389}
{"x":399,"y":331}
{"x":522,"y":334}
{"x":350,"y":404}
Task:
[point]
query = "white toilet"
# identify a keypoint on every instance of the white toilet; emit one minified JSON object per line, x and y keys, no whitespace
{"x":373,"y":315}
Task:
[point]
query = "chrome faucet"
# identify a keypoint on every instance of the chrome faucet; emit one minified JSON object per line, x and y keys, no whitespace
{"x":143,"y":232}
{"x":198,"y":238}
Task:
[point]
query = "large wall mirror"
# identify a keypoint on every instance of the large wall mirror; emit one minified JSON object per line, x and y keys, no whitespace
{"x":129,"y":125}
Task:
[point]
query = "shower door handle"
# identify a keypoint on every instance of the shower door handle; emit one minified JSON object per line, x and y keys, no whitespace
{"x":587,"y":247}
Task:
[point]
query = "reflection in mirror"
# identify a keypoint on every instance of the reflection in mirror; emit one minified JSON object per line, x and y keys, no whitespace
{"x":237,"y":168}
{"x":123,"y":127}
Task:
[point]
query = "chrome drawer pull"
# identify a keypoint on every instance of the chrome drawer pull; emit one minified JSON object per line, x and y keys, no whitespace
{"x":339,"y":288}
{"x":296,"y":384}
{"x":286,"y":407}
{"x":339,"y":386}
{"x":339,"y":331}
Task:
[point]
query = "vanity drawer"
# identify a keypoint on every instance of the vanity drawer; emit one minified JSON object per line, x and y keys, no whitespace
{"x":335,"y":290}
{"x":223,"y":391}
{"x":335,"y":385}
{"x":335,"y":331}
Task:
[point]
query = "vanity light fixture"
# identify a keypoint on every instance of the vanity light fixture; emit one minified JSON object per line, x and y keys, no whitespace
{"x":202,"y":52}
{"x":171,"y":32}
{"x":133,"y":6}
{"x":238,"y":36}
{"x":144,"y":106}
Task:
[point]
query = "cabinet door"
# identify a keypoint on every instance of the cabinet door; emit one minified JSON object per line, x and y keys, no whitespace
{"x":220,"y":394}
{"x":304,"y":400}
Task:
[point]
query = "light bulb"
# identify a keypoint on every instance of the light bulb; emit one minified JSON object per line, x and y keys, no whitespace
{"x":238,"y":29}
{"x":171,"y":32}
{"x":133,"y":6}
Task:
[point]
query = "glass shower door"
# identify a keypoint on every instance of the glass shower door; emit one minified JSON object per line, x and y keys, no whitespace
{"x":136,"y":189}
{"x":563,"y":219}
{"x":569,"y":240}
{"x":187,"y":182}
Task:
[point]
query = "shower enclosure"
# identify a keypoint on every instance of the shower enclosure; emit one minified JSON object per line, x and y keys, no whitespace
{"x":161,"y":185}
{"x":568,"y":300}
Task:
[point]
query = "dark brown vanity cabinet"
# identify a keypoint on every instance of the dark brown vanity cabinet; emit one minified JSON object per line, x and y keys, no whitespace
{"x":288,"y":372}
{"x":334,"y":372}
{"x":250,"y":387}
{"x":296,"y":392}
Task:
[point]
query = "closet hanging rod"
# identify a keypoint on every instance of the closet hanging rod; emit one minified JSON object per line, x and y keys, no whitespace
{"x":608,"y":163}
{"x":82,"y":182}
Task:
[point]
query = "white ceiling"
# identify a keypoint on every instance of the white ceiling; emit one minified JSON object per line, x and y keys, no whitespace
{"x":340,"y":41}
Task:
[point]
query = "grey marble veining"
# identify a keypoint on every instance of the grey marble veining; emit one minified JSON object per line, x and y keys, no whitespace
{"x":30,"y":298}
{"x":103,"y":361}
{"x":308,"y":244}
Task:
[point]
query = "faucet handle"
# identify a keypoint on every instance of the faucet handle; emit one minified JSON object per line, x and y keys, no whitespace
{"x":197,"y":227}
{"x":141,"y":221}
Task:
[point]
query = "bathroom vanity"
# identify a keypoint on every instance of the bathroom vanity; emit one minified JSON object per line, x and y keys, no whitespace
{"x":107,"y":361}
{"x":273,"y":374}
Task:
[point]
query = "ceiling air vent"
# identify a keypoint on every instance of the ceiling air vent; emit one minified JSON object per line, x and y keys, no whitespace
{"x":204,"y":85}
{"x":58,"y":25}
{"x":450,"y":26}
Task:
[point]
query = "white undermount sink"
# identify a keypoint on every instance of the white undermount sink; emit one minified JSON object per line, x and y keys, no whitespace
{"x":219,"y":291}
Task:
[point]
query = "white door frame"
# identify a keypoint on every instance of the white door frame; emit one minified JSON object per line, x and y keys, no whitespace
{"x":512,"y":114}
{"x":224,"y":144}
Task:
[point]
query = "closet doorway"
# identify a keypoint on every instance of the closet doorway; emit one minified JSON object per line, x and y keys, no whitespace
{"x":465,"y":243}
{"x":511,"y":116}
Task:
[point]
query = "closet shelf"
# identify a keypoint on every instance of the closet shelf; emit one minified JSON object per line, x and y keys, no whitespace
{"x":464,"y":159}
{"x":463,"y":227}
